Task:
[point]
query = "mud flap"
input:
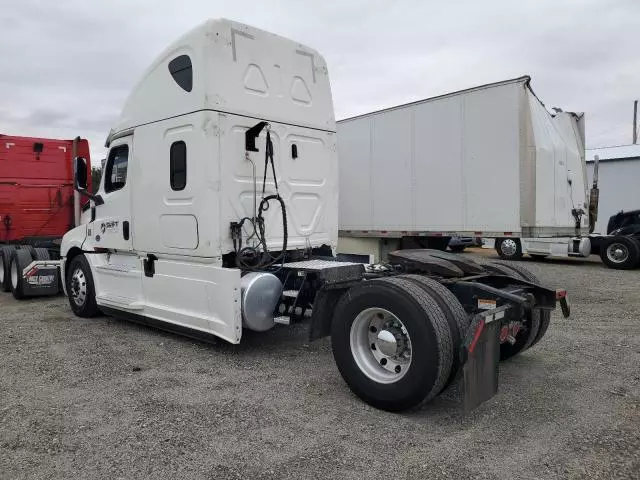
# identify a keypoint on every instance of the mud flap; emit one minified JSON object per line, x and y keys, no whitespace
{"x":41,"y":278}
{"x":480,"y":357}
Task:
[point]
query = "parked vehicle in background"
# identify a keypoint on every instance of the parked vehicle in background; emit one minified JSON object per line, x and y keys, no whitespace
{"x":489,"y":162}
{"x":620,"y":248}
{"x":38,"y":205}
{"x":458,"y":244}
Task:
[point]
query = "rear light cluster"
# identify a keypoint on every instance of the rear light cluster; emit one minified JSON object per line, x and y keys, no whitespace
{"x":508,"y":332}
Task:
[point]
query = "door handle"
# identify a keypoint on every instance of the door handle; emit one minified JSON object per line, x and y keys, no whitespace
{"x":125,"y":230}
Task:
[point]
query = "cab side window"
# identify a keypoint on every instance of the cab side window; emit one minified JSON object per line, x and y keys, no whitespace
{"x":116,"y":169}
{"x":178,"y":166}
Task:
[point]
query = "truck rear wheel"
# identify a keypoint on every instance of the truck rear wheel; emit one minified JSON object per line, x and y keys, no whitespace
{"x":527,"y":335}
{"x":509,"y":248}
{"x":545,"y":315}
{"x":80,"y":288}
{"x":5,"y":268}
{"x":20,"y":259}
{"x":620,"y":253}
{"x":391,"y":343}
{"x":454,"y":312}
{"x":41,"y":254}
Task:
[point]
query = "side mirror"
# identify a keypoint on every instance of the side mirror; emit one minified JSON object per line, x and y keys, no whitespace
{"x":80,"y":178}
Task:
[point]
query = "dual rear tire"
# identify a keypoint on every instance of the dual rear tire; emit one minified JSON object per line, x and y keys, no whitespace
{"x":13,"y":261}
{"x":396,"y":342}
{"x":535,"y":325}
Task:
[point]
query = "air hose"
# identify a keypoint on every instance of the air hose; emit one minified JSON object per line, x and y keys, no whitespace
{"x":259,"y":257}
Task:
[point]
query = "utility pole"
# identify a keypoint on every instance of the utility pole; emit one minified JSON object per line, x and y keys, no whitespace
{"x":635,"y":122}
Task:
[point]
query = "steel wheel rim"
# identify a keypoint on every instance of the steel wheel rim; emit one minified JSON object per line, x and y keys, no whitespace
{"x":380,"y":345}
{"x":78,"y":287}
{"x":1,"y":269}
{"x":14,"y":275}
{"x":617,"y":253}
{"x":509,"y":247}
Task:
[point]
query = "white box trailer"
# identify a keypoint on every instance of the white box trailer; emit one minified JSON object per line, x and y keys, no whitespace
{"x":489,"y":161}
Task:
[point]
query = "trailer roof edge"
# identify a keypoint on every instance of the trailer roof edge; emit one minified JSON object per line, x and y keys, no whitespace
{"x":525,"y":79}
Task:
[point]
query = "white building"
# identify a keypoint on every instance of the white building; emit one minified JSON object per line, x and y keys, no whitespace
{"x":619,"y":175}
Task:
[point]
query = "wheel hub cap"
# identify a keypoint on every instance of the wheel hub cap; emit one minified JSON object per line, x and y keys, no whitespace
{"x":380,"y":345}
{"x":386,"y":343}
{"x":509,"y":247}
{"x":78,"y":287}
{"x":617,"y":253}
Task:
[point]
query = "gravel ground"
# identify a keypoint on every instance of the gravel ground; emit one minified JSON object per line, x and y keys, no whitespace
{"x":102,"y":398}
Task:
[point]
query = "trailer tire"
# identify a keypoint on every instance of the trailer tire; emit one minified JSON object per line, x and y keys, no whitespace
{"x":538,"y":257}
{"x":31,"y":249}
{"x":456,"y":316}
{"x":5,"y":268}
{"x":527,"y":336}
{"x":457,"y":248}
{"x":80,"y":288}
{"x":412,"y":318}
{"x":20,"y":259}
{"x":41,"y":254}
{"x":509,"y":248}
{"x":620,"y":252}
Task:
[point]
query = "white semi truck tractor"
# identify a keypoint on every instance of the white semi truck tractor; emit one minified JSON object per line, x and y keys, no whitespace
{"x":218,"y":213}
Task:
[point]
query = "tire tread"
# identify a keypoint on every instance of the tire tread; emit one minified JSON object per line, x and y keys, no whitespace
{"x":439,"y":323}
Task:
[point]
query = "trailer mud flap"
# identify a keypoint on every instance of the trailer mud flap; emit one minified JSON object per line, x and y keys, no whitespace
{"x":41,"y":279}
{"x":480,"y":357}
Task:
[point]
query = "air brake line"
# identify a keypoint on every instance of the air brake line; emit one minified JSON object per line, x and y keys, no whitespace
{"x":250,"y":257}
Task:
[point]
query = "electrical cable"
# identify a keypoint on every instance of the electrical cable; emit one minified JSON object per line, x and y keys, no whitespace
{"x":259,"y":257}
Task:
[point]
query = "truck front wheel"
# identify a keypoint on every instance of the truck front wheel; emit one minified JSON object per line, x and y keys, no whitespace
{"x":621,"y":253}
{"x":80,"y":288}
{"x":392,"y":343}
{"x":509,"y":248}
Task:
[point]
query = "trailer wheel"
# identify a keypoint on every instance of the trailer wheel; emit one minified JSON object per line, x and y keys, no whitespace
{"x":20,"y":259}
{"x":80,"y":288}
{"x":620,"y":253}
{"x":31,"y":249}
{"x":457,"y":248}
{"x":391,"y":343}
{"x":509,"y":248}
{"x":5,"y":268}
{"x":456,"y":316}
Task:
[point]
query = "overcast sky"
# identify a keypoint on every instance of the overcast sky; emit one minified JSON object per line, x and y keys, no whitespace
{"x":68,"y":65}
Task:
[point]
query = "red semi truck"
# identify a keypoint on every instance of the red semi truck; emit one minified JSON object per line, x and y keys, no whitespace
{"x":38,"y":205}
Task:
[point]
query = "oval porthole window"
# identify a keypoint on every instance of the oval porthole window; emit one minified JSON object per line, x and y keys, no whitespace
{"x":181,"y":71}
